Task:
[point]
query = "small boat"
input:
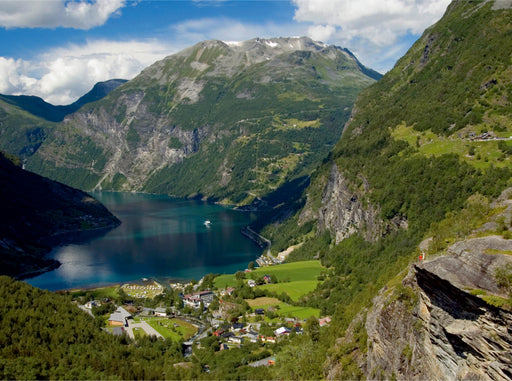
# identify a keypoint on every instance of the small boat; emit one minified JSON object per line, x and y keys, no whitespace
{"x":207,"y":223}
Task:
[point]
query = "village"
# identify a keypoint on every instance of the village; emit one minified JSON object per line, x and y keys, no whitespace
{"x":235,"y":309}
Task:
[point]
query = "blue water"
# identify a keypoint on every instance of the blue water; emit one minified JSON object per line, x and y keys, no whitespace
{"x":160,"y":237}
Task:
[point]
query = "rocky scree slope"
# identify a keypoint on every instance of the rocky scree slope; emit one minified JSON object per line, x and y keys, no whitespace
{"x":226,"y":121}
{"x":37,"y":214}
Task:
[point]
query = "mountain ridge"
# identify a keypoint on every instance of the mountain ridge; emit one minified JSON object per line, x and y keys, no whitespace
{"x":229,"y":123}
{"x":40,"y":108}
{"x":421,"y":145}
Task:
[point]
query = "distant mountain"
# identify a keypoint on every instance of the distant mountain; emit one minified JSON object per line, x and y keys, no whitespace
{"x":37,"y":214}
{"x":38,"y":107}
{"x":230,"y":122}
{"x":99,"y":91}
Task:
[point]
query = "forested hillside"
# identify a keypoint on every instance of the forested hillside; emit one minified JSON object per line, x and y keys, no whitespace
{"x":431,"y":133}
{"x":45,"y":336}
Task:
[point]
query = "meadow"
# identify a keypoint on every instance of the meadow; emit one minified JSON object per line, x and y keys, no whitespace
{"x":174,"y":329}
{"x":286,"y":274}
{"x":295,"y":279}
{"x":283,"y":309}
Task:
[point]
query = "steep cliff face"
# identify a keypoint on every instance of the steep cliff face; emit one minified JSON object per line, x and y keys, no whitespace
{"x":342,"y":211}
{"x":228,"y":121}
{"x":414,"y":151}
{"x":433,"y":328}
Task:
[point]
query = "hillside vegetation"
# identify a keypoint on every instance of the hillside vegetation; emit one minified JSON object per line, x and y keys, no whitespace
{"x":59,"y":341}
{"x":397,"y":162}
{"x":227,"y":122}
{"x":37,"y":214}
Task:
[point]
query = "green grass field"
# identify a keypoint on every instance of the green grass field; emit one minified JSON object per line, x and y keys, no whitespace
{"x":98,"y":293}
{"x":139,"y":333}
{"x":283,"y":309}
{"x":484,"y":153}
{"x":174,"y":329}
{"x":294,"y":289}
{"x":298,"y":312}
{"x":285,"y":273}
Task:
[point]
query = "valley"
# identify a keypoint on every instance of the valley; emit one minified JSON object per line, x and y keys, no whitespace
{"x":388,"y":200}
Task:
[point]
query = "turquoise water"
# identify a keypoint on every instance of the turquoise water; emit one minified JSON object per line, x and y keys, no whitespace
{"x":160,"y":237}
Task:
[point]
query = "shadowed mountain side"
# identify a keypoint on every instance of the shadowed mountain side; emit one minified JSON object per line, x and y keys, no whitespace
{"x":37,"y":214}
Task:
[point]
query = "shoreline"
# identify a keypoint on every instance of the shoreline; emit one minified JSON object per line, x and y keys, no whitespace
{"x":139,"y":281}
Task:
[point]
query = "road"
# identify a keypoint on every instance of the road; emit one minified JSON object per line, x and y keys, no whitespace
{"x":143,"y":325}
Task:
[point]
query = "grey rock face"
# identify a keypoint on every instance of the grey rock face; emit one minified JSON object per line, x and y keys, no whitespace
{"x":430,"y":328}
{"x":343,"y":211}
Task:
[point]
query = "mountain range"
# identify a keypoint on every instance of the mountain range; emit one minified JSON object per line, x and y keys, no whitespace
{"x":222,"y":121}
{"x":408,"y":199}
{"x":38,"y":107}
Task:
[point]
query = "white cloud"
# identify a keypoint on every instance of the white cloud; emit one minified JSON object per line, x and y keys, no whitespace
{"x":77,"y":14}
{"x":62,"y":75}
{"x":380,"y":21}
{"x":321,"y":32}
{"x":372,"y":27}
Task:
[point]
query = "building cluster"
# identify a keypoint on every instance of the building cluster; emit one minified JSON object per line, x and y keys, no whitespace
{"x":225,"y":322}
{"x":194,"y":300}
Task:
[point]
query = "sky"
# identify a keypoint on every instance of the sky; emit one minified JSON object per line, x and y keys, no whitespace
{"x":58,"y":49}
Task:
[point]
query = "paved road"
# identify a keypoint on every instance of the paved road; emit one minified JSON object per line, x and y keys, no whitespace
{"x":141,"y":324}
{"x":82,"y":307}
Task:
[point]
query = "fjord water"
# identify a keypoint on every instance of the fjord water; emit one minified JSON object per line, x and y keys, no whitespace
{"x":160,"y":237}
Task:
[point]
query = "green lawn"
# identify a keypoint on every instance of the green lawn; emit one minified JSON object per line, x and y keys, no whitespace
{"x":297,"y":311}
{"x":138,"y":333}
{"x":97,"y":293}
{"x":285,"y":273}
{"x":294,"y":289}
{"x":284,"y":310}
{"x":174,"y":329}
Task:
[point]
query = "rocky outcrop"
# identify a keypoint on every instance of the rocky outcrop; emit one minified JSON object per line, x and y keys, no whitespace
{"x":429,"y":327}
{"x":343,"y":210}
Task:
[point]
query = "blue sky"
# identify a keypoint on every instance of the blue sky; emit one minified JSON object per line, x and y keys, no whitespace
{"x":58,"y":49}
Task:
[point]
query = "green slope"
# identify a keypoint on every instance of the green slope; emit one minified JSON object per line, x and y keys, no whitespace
{"x":45,"y":336}
{"x":230,"y":123}
{"x":407,"y":152}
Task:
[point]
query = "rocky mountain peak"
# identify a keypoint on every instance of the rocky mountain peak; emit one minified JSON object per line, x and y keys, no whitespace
{"x":229,"y":105}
